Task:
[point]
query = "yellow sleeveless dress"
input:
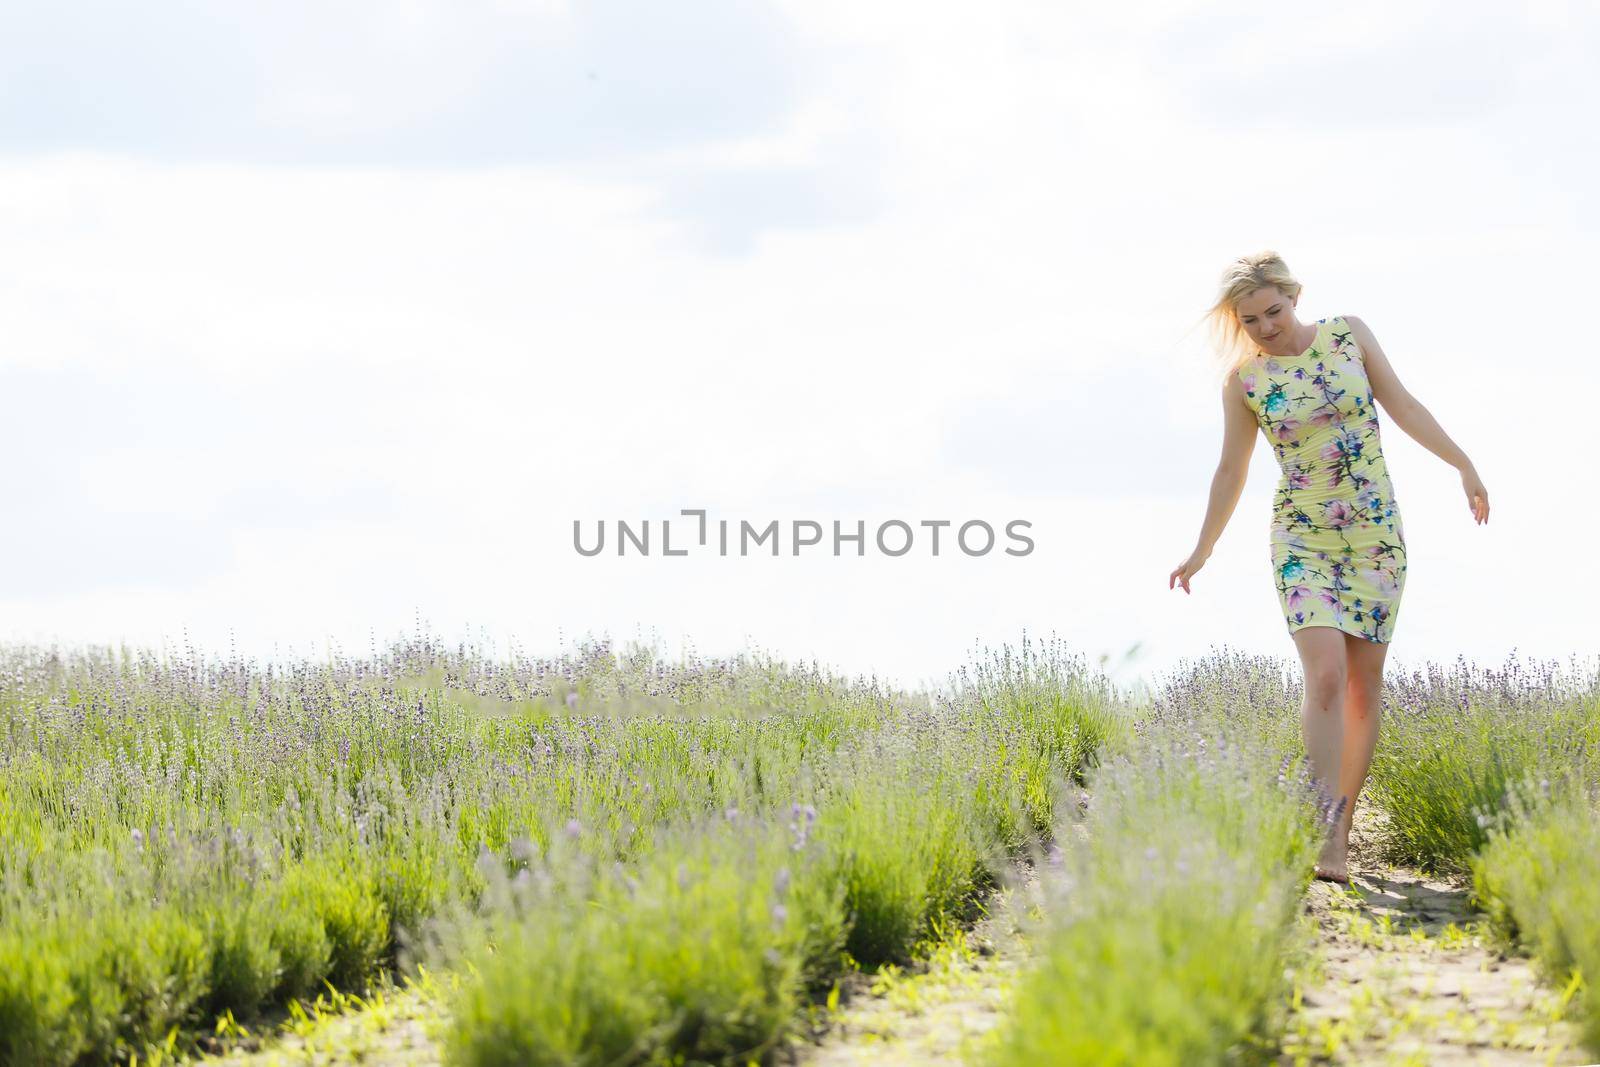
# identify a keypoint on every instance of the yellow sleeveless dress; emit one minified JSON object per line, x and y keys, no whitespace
{"x":1337,"y":545}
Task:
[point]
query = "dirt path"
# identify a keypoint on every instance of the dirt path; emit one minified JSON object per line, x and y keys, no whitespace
{"x":394,"y":1026}
{"x":946,"y":1012}
{"x":1404,"y":973}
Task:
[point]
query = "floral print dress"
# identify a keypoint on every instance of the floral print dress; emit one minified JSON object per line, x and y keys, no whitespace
{"x":1337,"y":545}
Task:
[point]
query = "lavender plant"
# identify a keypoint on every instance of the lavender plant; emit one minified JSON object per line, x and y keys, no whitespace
{"x":1048,"y":718}
{"x":186,"y":836}
{"x":1169,"y":921}
{"x":1455,"y":743}
{"x":1538,"y":879}
{"x":698,"y":953}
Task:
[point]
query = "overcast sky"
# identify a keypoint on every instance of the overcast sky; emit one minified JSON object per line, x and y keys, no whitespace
{"x":319,"y":319}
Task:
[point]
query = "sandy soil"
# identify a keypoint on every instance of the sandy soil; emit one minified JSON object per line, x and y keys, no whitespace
{"x":1405,"y":974}
{"x":942,"y":1013}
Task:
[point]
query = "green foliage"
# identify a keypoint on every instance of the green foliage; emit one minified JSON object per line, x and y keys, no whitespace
{"x":1045,"y":719}
{"x":340,"y":894}
{"x":245,"y":964}
{"x":40,"y":1014}
{"x":907,"y":846}
{"x":602,"y":840}
{"x":298,"y":936}
{"x":700,"y":952}
{"x":1169,"y":923}
{"x":1538,"y":878}
{"x":1453,"y":747}
{"x":263,"y":831}
{"x":96,"y":986}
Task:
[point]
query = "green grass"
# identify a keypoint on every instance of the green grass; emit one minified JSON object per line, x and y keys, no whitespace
{"x":622,"y":859}
{"x":1538,"y":878}
{"x":1168,"y":926}
{"x":188,"y":839}
{"x":1452,"y":746}
{"x":701,"y":951}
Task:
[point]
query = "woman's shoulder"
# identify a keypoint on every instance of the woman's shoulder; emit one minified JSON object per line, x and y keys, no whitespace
{"x":1348,"y":332}
{"x":1352,"y":326}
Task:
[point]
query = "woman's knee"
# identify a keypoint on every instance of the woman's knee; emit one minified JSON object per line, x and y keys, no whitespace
{"x":1322,"y":659}
{"x":1364,"y":672}
{"x":1363,"y":693}
{"x":1325,"y":682}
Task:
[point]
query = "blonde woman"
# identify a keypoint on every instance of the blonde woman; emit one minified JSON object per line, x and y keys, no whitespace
{"x":1338,"y":548}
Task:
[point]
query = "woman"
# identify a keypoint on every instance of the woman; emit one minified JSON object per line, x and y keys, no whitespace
{"x":1337,"y":545}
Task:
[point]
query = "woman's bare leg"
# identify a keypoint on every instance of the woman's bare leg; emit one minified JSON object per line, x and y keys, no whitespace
{"x":1323,"y":664}
{"x":1363,"y":689}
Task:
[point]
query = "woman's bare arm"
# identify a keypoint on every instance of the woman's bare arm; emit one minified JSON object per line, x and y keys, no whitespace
{"x":1406,"y":410}
{"x":1417,"y":421}
{"x":1238,"y":439}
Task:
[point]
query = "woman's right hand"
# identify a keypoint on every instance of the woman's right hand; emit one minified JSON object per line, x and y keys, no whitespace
{"x":1188,"y":569}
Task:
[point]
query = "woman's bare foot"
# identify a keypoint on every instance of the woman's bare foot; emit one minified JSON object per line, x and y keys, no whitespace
{"x":1334,"y":863}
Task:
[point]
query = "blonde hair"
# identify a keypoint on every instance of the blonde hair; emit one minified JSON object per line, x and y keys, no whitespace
{"x":1259,"y":270}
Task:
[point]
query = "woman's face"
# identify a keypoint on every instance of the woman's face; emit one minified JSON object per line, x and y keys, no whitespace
{"x":1268,"y":317}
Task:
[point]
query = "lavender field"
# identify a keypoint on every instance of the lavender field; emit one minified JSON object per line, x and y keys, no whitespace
{"x":606,"y":858}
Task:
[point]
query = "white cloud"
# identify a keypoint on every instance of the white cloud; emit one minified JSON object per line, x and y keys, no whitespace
{"x":956,"y":278}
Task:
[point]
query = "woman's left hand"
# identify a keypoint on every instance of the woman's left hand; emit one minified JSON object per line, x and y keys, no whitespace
{"x":1477,"y":495}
